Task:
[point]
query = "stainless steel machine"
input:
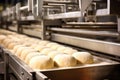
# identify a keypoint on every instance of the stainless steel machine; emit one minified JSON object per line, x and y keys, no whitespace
{"x":87,"y":25}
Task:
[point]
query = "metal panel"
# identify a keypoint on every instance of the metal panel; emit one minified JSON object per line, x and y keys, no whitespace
{"x":13,"y":28}
{"x":87,"y":32}
{"x":74,"y":14}
{"x":87,"y":73}
{"x":19,"y":68}
{"x":92,"y":24}
{"x":84,"y":4}
{"x":2,"y":68}
{"x":30,"y":5}
{"x":24,"y":7}
{"x":40,"y":76}
{"x":60,"y":2}
{"x":18,"y":10}
{"x":39,"y":8}
{"x":96,"y":45}
{"x":119,"y":25}
{"x":32,"y":33}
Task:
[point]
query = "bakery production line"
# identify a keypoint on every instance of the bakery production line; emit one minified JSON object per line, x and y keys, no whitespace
{"x":84,"y":25}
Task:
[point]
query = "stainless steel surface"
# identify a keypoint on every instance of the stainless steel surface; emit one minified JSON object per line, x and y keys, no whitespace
{"x":96,"y":45}
{"x":92,"y":23}
{"x":60,"y":2}
{"x":32,"y":33}
{"x":118,"y":25}
{"x":84,"y":4}
{"x":74,"y":14}
{"x":18,"y":11}
{"x":30,"y":5}
{"x":13,"y":28}
{"x":24,"y":7}
{"x":21,"y":70}
{"x":39,"y":8}
{"x":90,"y":73}
{"x":105,"y":11}
{"x":1,"y":53}
{"x":43,"y":30}
{"x":85,"y":72}
{"x":86,"y":32}
{"x":2,"y":67}
{"x":40,"y":76}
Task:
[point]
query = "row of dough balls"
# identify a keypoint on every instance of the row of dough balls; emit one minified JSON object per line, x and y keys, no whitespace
{"x":44,"y":54}
{"x":29,"y":56}
{"x":37,"y":60}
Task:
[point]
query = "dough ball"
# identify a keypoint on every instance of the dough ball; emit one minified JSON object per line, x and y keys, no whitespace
{"x":69,"y":51}
{"x":19,"y":50}
{"x":46,"y":51}
{"x":6,"y":42}
{"x":39,"y":48}
{"x":51,"y":44}
{"x":12,"y":45}
{"x":83,"y":57}
{"x":33,"y":45}
{"x":65,"y":60}
{"x":27,"y":44}
{"x":43,"y":43}
{"x":30,"y":55}
{"x":55,"y":46}
{"x":2,"y":37}
{"x":52,"y":54}
{"x":16,"y":47}
{"x":41,"y":62}
{"x":61,"y":48}
{"x":25,"y":52}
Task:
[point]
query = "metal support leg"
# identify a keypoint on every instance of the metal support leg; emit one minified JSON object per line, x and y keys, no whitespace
{"x":6,"y":76}
{"x":43,"y":30}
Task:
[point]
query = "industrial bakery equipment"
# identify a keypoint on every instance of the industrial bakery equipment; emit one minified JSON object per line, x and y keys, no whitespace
{"x":86,"y":25}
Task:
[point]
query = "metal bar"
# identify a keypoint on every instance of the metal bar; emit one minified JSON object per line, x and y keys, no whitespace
{"x":51,"y":7}
{"x":40,"y":76}
{"x":87,"y":32}
{"x":21,"y":69}
{"x":118,"y":27}
{"x":30,"y":5}
{"x":84,"y":4}
{"x":24,"y":7}
{"x":91,"y":44}
{"x":18,"y":11}
{"x":60,"y":2}
{"x":39,"y":8}
{"x":92,"y":24}
{"x":6,"y":66}
{"x":43,"y":32}
{"x":52,"y":4}
{"x":75,"y":14}
{"x":2,"y":67}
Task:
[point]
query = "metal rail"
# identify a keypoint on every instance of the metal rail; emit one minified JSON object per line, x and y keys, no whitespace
{"x":74,"y":14}
{"x":92,"y":23}
{"x":60,"y":2}
{"x":91,"y":44}
{"x":87,"y":32}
